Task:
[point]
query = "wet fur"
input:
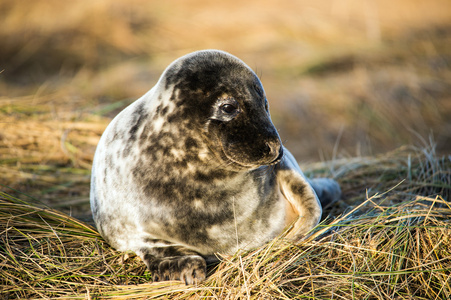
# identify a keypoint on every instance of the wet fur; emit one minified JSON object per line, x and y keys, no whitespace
{"x":176,"y":178}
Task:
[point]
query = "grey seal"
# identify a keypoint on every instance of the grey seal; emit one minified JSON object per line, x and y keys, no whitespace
{"x":196,"y":167}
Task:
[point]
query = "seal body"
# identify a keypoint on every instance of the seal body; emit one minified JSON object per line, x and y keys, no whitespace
{"x":196,"y":167}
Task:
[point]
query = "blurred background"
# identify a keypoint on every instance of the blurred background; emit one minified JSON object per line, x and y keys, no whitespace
{"x":344,"y":78}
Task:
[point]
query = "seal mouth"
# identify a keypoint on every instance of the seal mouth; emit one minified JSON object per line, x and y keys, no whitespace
{"x":240,"y":164}
{"x":257,"y":163}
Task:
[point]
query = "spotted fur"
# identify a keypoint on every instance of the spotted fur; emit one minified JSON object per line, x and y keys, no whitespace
{"x":196,"y":167}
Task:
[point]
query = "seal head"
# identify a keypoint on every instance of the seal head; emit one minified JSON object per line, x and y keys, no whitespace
{"x":217,"y":94}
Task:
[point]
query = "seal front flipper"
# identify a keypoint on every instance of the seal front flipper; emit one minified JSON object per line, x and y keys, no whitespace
{"x":174,"y":263}
{"x":302,"y":204}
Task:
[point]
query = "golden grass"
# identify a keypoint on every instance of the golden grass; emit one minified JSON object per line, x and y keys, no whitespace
{"x":391,"y":242}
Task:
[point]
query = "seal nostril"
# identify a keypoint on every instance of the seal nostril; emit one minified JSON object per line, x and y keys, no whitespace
{"x":270,"y":149}
{"x":275,"y":145}
{"x":274,"y":150}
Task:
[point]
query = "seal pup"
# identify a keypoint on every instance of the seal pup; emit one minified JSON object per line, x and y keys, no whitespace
{"x":196,"y":167}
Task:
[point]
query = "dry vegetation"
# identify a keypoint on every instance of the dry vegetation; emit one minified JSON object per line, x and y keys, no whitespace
{"x":393,"y":243}
{"x":354,"y":79}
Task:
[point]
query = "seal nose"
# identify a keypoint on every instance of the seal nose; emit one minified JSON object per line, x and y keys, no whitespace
{"x":275,"y":150}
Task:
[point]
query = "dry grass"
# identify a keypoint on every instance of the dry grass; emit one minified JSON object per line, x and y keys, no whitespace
{"x":336,"y":90}
{"x":392,"y":242}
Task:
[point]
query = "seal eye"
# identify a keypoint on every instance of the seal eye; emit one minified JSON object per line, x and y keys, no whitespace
{"x":228,"y":108}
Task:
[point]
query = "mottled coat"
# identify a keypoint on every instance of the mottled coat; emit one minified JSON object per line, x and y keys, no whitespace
{"x":196,"y":167}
